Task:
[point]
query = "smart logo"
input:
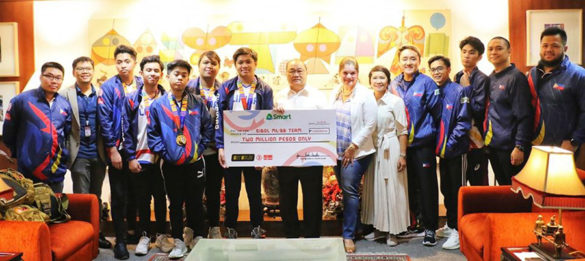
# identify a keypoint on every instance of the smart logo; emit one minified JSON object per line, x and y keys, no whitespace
{"x":271,"y":116}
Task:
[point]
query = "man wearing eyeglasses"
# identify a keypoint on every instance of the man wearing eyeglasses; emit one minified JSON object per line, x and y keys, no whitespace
{"x":452,"y":141}
{"x":87,"y":160}
{"x":37,"y":122}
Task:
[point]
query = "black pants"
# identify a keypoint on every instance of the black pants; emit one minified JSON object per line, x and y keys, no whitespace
{"x":214,"y":175}
{"x":423,"y":191}
{"x":311,"y":179}
{"x":119,"y":199}
{"x":503,"y":169}
{"x":451,"y":171}
{"x":149,"y":183}
{"x":477,"y":167}
{"x":233,"y":184}
{"x":183,"y":186}
{"x":131,"y":208}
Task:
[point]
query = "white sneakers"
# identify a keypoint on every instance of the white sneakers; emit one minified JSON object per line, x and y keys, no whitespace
{"x":179,"y":250}
{"x":452,"y":241}
{"x":143,"y":245}
{"x":445,"y":231}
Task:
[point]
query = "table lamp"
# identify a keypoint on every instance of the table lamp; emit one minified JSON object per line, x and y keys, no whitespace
{"x":551,"y":179}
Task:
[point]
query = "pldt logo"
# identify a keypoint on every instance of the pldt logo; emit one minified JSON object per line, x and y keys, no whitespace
{"x":270,"y":116}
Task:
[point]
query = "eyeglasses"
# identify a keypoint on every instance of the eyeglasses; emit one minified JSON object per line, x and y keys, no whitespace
{"x":53,"y":77}
{"x":84,"y":69}
{"x":437,"y":69}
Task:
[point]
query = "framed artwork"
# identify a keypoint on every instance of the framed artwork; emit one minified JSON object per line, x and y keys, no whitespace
{"x":571,"y":20}
{"x":7,"y":91}
{"x":8,"y":49}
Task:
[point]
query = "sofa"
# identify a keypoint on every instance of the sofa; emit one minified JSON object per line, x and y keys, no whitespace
{"x":490,"y":218}
{"x":76,"y":239}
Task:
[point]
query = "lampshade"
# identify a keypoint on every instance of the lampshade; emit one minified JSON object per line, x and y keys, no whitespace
{"x":551,"y":179}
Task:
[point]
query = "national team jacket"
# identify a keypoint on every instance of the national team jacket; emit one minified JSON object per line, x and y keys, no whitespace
{"x":479,"y":84}
{"x":225,"y":102}
{"x":131,"y":120}
{"x":36,"y":134}
{"x":559,"y":102}
{"x":423,"y":108}
{"x":112,"y":110}
{"x":163,"y":129}
{"x":509,"y":114}
{"x":195,"y":87}
{"x":452,"y":139}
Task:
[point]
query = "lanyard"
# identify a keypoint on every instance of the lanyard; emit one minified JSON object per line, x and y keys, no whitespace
{"x":179,"y":117}
{"x":246,"y":101}
{"x":208,"y":97}
{"x":146,"y":99}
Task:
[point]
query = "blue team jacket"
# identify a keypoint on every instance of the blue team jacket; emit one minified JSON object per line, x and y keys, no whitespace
{"x":509,"y":114}
{"x":131,"y":121}
{"x":225,"y":102}
{"x":423,"y":108}
{"x":455,"y":122}
{"x":479,"y":84}
{"x":194,"y":87}
{"x":111,"y":110}
{"x":559,"y":103}
{"x":36,"y":133}
{"x":162,"y":130}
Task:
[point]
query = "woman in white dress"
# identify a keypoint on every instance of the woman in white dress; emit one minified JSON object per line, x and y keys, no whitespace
{"x":385,"y":202}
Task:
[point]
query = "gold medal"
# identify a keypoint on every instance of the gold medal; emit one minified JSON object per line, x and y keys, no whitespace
{"x":181,"y":140}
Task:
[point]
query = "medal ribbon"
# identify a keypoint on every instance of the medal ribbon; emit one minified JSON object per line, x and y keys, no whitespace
{"x":179,"y":118}
{"x":246,"y":101}
{"x":208,"y":97}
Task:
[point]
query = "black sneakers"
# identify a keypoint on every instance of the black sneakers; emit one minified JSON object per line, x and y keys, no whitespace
{"x":429,"y":239}
{"x":120,"y":251}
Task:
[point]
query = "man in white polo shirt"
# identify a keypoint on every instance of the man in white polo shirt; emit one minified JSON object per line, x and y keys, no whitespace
{"x":300,"y":97}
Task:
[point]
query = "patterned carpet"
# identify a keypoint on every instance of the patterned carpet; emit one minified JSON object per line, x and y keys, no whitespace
{"x":350,"y":257}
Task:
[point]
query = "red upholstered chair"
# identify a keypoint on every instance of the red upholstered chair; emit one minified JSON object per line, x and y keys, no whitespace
{"x":73,"y":240}
{"x":493,"y":217}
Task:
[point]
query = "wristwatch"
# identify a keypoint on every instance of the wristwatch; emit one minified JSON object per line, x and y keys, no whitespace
{"x":403,"y":155}
{"x":574,"y":143}
{"x":520,"y":147}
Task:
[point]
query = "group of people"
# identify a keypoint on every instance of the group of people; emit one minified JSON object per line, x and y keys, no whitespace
{"x":160,"y":143}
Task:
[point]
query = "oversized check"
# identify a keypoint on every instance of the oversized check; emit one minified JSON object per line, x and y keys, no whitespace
{"x":295,"y":138}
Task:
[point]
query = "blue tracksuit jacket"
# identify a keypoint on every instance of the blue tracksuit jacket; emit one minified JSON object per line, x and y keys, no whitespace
{"x":509,"y":114}
{"x":559,"y":102}
{"x":479,"y":84}
{"x":423,"y":108}
{"x":131,"y":121}
{"x":162,"y":130}
{"x":452,"y":139}
{"x":36,"y":134}
{"x":111,"y":110}
{"x":225,"y":102}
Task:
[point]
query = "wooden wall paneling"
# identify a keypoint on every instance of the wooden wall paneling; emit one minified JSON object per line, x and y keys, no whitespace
{"x":517,"y":24}
{"x":22,"y":13}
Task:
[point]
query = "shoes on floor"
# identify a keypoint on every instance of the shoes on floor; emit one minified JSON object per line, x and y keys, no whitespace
{"x":188,"y":236}
{"x":411,"y":234}
{"x":103,"y":242}
{"x":429,"y":239}
{"x":391,"y":240}
{"x":121,"y":251}
{"x":164,"y":243}
{"x":258,"y":233}
{"x":231,"y":233}
{"x":179,"y":250}
{"x":214,"y":232}
{"x":452,"y":241}
{"x":374,"y":235}
{"x":143,"y":245}
{"x":445,"y":231}
{"x":349,"y":245}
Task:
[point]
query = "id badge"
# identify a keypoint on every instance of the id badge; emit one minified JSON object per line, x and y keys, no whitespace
{"x":87,"y":131}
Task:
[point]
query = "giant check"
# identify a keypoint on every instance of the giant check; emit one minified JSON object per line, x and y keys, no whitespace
{"x":295,"y":138}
